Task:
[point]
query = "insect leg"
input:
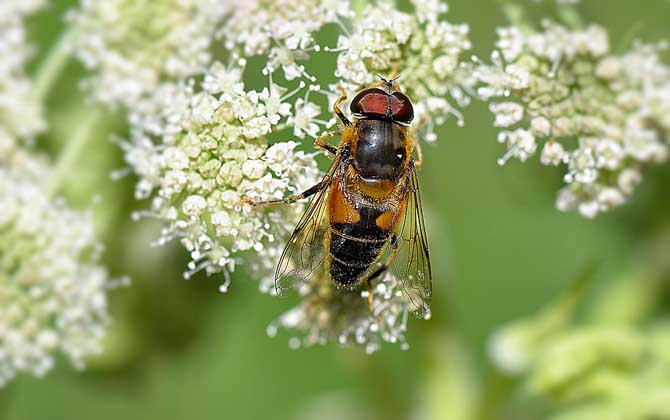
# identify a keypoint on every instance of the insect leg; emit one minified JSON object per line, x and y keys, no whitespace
{"x":394,"y":71}
{"x":291,"y":198}
{"x":419,"y":154}
{"x":417,"y":143}
{"x":321,"y":142}
{"x":336,"y":107}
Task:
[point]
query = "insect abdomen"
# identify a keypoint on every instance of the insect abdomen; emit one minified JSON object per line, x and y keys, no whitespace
{"x":354,"y":247}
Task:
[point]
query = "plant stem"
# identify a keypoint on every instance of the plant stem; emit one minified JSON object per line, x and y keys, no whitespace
{"x":570,"y":17}
{"x":73,"y":149}
{"x":358,"y":6}
{"x":516,"y":16}
{"x":52,"y":66}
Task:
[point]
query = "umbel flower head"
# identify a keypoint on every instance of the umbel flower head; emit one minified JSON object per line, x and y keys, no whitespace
{"x":199,"y":171}
{"x":133,"y":45}
{"x":204,"y":139}
{"x":52,"y":289}
{"x":557,"y":87}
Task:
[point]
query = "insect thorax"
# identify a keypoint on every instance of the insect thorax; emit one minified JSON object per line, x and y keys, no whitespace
{"x":380,"y":149}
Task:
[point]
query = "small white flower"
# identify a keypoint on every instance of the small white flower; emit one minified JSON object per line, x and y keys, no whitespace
{"x":303,"y":121}
{"x":628,"y":179}
{"x":609,"y":154}
{"x":507,"y":113}
{"x":553,"y":154}
{"x":540,"y":126}
{"x":566,"y":199}
{"x":520,"y":143}
{"x":610,"y":198}
{"x":582,"y":166}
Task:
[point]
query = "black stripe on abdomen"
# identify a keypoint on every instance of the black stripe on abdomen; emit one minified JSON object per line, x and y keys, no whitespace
{"x":355,"y":246}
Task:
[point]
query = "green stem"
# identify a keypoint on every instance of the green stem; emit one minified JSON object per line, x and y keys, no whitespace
{"x":516,"y":16}
{"x":358,"y":6}
{"x":73,"y":149}
{"x":570,"y":17}
{"x":52,"y":66}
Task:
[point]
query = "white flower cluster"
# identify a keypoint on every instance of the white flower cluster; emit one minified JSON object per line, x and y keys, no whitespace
{"x":52,"y":290}
{"x":133,"y":45}
{"x":282,"y":29}
{"x":426,"y":50}
{"x":552,"y":88}
{"x":326,"y":314}
{"x":208,"y":152}
{"x":202,"y":140}
{"x":19,"y":115}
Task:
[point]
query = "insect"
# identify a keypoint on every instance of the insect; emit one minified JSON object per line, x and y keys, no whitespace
{"x":365,"y":215}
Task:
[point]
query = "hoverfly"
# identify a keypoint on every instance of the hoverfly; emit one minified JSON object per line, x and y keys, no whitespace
{"x":365,"y":216}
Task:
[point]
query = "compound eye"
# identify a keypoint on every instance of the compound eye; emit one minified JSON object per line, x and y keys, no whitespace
{"x":370,"y":103}
{"x":401,"y":108}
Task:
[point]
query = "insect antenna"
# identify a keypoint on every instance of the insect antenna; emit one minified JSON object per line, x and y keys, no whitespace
{"x":383,"y":79}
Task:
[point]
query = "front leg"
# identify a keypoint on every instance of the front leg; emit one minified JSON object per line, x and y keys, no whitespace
{"x":419,"y":154}
{"x":290,"y":199}
{"x":321,"y":142}
{"x":336,"y":108}
{"x":416,"y":143}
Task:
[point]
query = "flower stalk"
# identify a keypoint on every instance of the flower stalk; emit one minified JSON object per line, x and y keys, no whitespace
{"x":52,"y":65}
{"x":73,"y":150}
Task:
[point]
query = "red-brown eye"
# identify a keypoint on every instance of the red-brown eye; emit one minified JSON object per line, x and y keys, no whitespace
{"x":370,"y":103}
{"x":401,"y":108}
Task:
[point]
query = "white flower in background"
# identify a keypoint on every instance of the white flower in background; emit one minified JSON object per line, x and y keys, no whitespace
{"x":596,"y":370}
{"x":426,"y":50}
{"x":20,"y":116}
{"x":552,"y":87}
{"x":52,"y":290}
{"x":326,"y":314}
{"x":131,"y":46}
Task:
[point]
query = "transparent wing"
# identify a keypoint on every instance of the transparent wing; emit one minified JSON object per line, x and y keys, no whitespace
{"x":411,"y":265}
{"x":305,"y":254}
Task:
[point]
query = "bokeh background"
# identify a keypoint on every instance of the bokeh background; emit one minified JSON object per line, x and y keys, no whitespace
{"x":180,"y":349}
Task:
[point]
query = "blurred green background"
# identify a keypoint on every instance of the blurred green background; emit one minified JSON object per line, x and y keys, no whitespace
{"x":180,"y":349}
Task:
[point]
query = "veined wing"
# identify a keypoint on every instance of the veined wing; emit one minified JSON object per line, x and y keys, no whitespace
{"x":411,"y":265}
{"x":305,"y":254}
